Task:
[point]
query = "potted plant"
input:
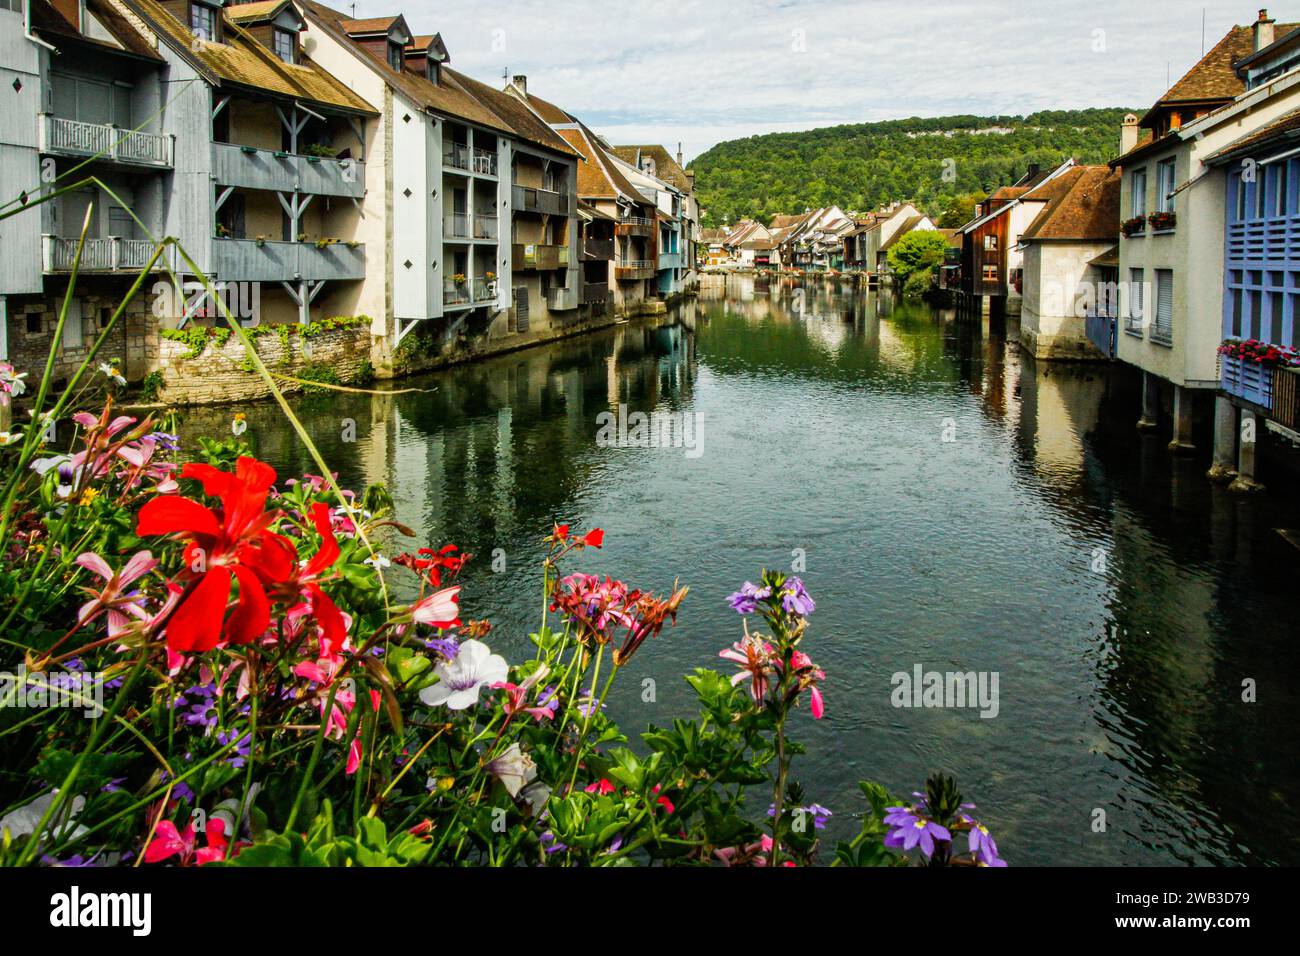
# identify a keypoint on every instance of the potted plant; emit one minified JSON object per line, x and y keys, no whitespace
{"x":1134,"y":226}
{"x":1163,"y":221}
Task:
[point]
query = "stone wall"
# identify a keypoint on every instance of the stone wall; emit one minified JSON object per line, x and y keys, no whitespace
{"x":132,"y":346}
{"x":220,"y":374}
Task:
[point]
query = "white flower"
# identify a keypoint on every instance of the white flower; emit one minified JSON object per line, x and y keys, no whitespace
{"x":459,"y":680}
{"x":112,"y":372}
{"x":9,"y":438}
{"x":23,"y":821}
{"x":513,"y":768}
{"x":378,"y":561}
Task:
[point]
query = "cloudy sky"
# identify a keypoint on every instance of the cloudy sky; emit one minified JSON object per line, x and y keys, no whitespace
{"x":699,"y":72}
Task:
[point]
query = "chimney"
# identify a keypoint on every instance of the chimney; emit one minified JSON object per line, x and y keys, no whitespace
{"x":1263,"y":31}
{"x":520,"y":82}
{"x":1128,"y":134}
{"x":679,"y":156}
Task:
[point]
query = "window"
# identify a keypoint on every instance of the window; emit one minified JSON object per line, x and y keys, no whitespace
{"x":1165,"y":184}
{"x":990,"y":273}
{"x":1136,"y":310}
{"x":283,"y":41}
{"x":433,"y":71}
{"x":1139,"y":187}
{"x":1283,"y":189}
{"x":34,"y":324}
{"x":15,"y":5}
{"x":1261,"y":193}
{"x":395,"y":57}
{"x":1240,"y":185}
{"x":1163,"y":329}
{"x":990,"y":243}
{"x":203,"y":22}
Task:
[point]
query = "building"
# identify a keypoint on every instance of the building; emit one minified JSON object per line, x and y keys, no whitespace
{"x":679,"y":260}
{"x":888,"y":229}
{"x":1173,"y":206}
{"x":1064,"y":276}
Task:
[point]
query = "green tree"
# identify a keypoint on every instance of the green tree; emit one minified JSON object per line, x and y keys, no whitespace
{"x":960,"y":210}
{"x":918,"y":251}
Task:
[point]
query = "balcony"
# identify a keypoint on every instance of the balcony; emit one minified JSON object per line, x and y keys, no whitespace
{"x":471,"y":159}
{"x":1286,"y":397}
{"x":562,"y":299}
{"x":670,"y":260}
{"x":252,"y":168}
{"x":109,"y":254}
{"x":1247,"y":380}
{"x":1100,"y":329}
{"x":598,"y":250}
{"x":68,"y":137}
{"x":629,"y":270}
{"x":539,"y":256}
{"x":546,"y":201}
{"x":636,"y":226}
{"x":469,"y":292}
{"x":462,"y":225}
{"x":594,"y":293}
{"x":251,"y":260}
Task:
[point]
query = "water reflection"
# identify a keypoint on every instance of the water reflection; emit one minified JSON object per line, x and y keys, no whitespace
{"x":961,"y":507}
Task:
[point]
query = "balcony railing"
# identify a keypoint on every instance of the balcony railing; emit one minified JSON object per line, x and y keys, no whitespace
{"x":548,"y":201}
{"x":1246,"y":380}
{"x":71,"y":137}
{"x":252,"y":168}
{"x":631,"y":269}
{"x":1286,"y":397}
{"x":636,"y":226}
{"x":472,"y":159}
{"x":463,"y":225}
{"x":254,"y":260}
{"x":539,"y":256}
{"x":109,"y":254}
{"x":670,"y":260}
{"x":601,"y":250}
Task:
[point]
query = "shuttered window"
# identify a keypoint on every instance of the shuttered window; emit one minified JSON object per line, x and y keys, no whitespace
{"x":521,"y":309}
{"x":1163,"y":328}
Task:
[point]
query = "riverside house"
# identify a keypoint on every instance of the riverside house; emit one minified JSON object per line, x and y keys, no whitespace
{"x":675,"y":189}
{"x":1175,"y":206}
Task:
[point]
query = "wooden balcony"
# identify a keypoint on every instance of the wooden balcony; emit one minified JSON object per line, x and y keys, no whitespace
{"x":109,"y":254}
{"x":636,"y":226}
{"x":1246,"y":380}
{"x":595,"y":292}
{"x":539,"y":256}
{"x":68,"y":137}
{"x":545,"y":201}
{"x":598,"y":250}
{"x":252,"y":261}
{"x":252,"y":168}
{"x":629,"y":270}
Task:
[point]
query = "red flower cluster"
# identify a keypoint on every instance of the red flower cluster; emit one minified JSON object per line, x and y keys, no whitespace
{"x":1261,"y":353}
{"x":235,"y":545}
{"x":431,"y":564}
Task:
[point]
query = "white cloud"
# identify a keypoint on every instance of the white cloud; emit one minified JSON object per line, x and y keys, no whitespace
{"x":698,"y":72}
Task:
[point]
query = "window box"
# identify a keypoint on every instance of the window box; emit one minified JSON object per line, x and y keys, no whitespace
{"x":1133,"y":227}
{"x":248,"y":149}
{"x":1163,"y":221}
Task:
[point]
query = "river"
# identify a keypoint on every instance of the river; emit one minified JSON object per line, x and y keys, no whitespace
{"x":955,"y":505}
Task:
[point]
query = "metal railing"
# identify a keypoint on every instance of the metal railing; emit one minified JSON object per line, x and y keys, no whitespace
{"x":470,"y":158}
{"x":78,"y":138}
{"x":485,"y":226}
{"x":547,"y":201}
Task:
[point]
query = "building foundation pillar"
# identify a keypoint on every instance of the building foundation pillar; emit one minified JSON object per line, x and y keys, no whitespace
{"x":1150,"y":402}
{"x":1245,"y":480}
{"x":1181,"y":444}
{"x":1223,"y":466}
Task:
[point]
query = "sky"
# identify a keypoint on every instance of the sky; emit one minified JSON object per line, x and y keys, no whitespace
{"x":698,"y":72}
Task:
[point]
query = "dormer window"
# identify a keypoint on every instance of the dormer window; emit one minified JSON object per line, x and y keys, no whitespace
{"x":434,"y":71}
{"x":395,"y":56}
{"x":203,"y":21}
{"x":283,"y":42}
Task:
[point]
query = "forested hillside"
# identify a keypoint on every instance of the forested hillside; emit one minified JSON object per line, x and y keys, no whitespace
{"x":936,"y":162}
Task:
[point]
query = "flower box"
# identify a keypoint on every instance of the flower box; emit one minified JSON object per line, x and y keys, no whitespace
{"x":1133,"y":227}
{"x":1162,"y":221}
{"x":1247,"y":380}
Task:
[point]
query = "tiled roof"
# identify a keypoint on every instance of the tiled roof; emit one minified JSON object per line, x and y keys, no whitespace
{"x":666,"y":168}
{"x":371,"y":25}
{"x":1082,"y":205}
{"x":1107,"y":260}
{"x":55,"y":28}
{"x":598,"y":177}
{"x":242,"y":61}
{"x":549,"y":111}
{"x":512,"y":112}
{"x":785,"y":222}
{"x":253,"y":12}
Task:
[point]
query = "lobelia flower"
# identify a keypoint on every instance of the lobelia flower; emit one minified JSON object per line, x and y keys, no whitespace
{"x":513,"y":768}
{"x":113,"y":598}
{"x":980,"y":843}
{"x":745,"y":601}
{"x":796,"y":599}
{"x":912,"y":828}
{"x":460,"y":680}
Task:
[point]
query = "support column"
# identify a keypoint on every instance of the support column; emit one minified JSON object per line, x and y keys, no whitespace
{"x":1150,"y":402}
{"x":6,"y":416}
{"x":1245,"y":480}
{"x":1182,"y":440}
{"x":1223,"y":466}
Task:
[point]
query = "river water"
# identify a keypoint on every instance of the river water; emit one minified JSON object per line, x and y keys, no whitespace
{"x":955,"y":505}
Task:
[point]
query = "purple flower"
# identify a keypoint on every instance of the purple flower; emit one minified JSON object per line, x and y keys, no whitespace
{"x":745,"y":601}
{"x":586,"y":703}
{"x":240,"y":756}
{"x":550,"y":844}
{"x":445,"y":647}
{"x":796,"y":599}
{"x":910,"y":829}
{"x":980,"y":843}
{"x":818,"y":813}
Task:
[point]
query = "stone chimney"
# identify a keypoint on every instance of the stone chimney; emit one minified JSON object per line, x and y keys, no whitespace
{"x":679,"y":156}
{"x":1263,"y":31}
{"x":520,"y":82}
{"x":1128,"y":134}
